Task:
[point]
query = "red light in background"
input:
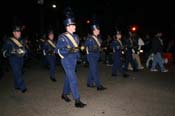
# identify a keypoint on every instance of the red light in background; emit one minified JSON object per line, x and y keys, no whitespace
{"x":134,"y":28}
{"x":88,"y":21}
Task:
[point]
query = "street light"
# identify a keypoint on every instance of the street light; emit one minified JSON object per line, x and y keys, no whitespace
{"x":134,"y":28}
{"x":88,"y":21}
{"x":41,"y":2}
{"x":54,"y":6}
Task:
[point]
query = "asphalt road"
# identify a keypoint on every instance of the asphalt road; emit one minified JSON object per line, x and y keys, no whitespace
{"x":144,"y":93}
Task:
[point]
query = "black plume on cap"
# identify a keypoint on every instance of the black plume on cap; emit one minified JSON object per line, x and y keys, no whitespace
{"x":50,"y":31}
{"x":69,"y":17}
{"x":94,"y":24}
{"x":117,"y":30}
{"x":68,"y":12}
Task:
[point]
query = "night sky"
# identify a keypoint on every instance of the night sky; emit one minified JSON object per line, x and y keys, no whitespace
{"x":148,"y":15}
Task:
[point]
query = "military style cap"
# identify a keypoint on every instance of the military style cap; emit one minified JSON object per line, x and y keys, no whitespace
{"x":95,"y":26}
{"x":69,"y":17}
{"x":16,"y":28}
{"x":50,"y":31}
{"x":69,"y":21}
{"x":117,"y":30}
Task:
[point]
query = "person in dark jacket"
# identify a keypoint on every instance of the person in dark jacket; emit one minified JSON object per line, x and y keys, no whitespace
{"x":157,"y":49}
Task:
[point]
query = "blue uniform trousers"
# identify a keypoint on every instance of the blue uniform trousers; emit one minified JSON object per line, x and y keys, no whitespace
{"x":52,"y":65}
{"x":17,"y":65}
{"x":70,"y":82}
{"x":117,"y":64}
{"x":93,"y":75}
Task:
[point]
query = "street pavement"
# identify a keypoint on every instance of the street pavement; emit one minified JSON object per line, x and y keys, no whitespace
{"x":144,"y":93}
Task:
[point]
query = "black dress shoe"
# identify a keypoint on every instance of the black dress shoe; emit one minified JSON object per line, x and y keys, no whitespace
{"x":101,"y":88}
{"x":90,"y":86}
{"x":17,"y":88}
{"x":79,"y":104}
{"x":65,"y":98}
{"x":24,"y":90}
{"x":125,"y":75}
{"x":53,"y":79}
{"x":114,"y":75}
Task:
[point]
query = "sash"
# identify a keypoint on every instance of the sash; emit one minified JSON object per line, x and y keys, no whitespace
{"x":71,"y":39}
{"x":96,"y":40}
{"x":51,"y":43}
{"x":16,"y":42}
{"x":120,"y":42}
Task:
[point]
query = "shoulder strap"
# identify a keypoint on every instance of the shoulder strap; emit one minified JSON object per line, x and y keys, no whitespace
{"x":16,"y":42}
{"x":96,"y":40}
{"x":120,"y":42}
{"x":71,"y":39}
{"x":51,"y":43}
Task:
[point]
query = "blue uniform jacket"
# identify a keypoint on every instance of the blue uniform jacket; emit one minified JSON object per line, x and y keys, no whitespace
{"x":9,"y":47}
{"x":117,"y":47}
{"x":91,"y":45}
{"x":62,"y":46}
{"x":48,"y":49}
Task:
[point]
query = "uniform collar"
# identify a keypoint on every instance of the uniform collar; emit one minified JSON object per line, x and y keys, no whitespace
{"x":69,"y":33}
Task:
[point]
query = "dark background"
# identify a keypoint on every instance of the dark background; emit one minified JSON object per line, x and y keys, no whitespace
{"x":148,"y":15}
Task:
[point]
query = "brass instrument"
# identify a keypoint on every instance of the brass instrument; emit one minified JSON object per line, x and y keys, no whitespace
{"x":75,"y":49}
{"x":20,"y":52}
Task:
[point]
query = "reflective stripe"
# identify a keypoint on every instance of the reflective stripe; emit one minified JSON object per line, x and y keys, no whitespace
{"x":44,"y":52}
{"x":4,"y":53}
{"x":87,"y":51}
{"x":113,"y":49}
{"x":61,"y":56}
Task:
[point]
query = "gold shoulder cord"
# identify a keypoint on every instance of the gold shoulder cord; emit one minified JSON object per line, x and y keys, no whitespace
{"x":51,"y":43}
{"x":71,"y":39}
{"x":16,"y":42}
{"x":96,"y":39}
